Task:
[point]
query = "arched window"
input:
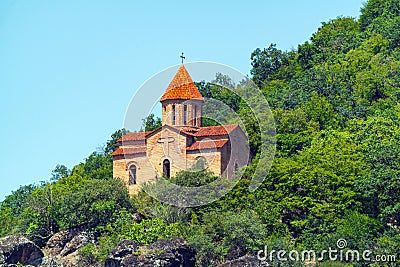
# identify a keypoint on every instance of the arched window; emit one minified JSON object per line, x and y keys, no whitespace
{"x":173,"y":115}
{"x":200,"y":163}
{"x":236,"y":166}
{"x":132,"y":175}
{"x":184,"y":114}
{"x":167,"y":168}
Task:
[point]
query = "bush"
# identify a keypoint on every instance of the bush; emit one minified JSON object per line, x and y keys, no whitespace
{"x":92,"y":204}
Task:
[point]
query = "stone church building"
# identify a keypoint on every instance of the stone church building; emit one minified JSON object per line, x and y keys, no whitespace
{"x":181,"y":142}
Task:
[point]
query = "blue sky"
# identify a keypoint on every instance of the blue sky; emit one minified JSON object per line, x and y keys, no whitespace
{"x":68,"y":69}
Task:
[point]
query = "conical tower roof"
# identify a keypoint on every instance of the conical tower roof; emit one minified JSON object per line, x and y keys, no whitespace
{"x":182,"y":87}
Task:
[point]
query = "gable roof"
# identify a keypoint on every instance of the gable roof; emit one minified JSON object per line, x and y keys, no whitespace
{"x":182,"y":87}
{"x":208,"y":144}
{"x":173,"y":128}
{"x":139,"y":136}
{"x":216,"y":130}
{"x":121,"y":151}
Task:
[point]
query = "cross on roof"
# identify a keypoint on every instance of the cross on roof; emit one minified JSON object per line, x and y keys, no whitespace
{"x":182,"y":57}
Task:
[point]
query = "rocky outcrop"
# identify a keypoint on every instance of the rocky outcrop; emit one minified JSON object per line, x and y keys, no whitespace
{"x":122,"y":250}
{"x":49,"y":262}
{"x":58,"y":241}
{"x":62,"y":250}
{"x":235,"y":253}
{"x":17,"y":249}
{"x":162,"y":253}
{"x":63,"y":247}
{"x":245,"y":261}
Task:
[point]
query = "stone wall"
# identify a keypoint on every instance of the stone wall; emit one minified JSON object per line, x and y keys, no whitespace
{"x":144,"y":171}
{"x":212,"y":156}
{"x":238,"y":152}
{"x":193,"y":106}
{"x":170,"y":144}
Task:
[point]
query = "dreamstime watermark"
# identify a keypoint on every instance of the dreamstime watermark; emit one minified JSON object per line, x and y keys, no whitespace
{"x":259,"y":117}
{"x":339,"y":253}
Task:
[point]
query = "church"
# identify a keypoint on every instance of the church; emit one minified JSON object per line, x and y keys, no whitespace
{"x":181,"y":142}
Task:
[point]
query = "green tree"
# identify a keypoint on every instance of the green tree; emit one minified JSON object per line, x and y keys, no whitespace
{"x":383,"y":17}
{"x":38,"y":219}
{"x":319,"y":110}
{"x":371,"y":10}
{"x":380,"y":186}
{"x":318,"y":181}
{"x":267,"y":64}
{"x":113,"y":143}
{"x":194,"y":177}
{"x":59,"y":172}
{"x":151,"y":123}
{"x":294,"y":131}
{"x":221,"y":232}
{"x":98,"y":166}
{"x":16,"y":201}
{"x":334,"y":38}
{"x":8,"y":221}
{"x":91,"y":203}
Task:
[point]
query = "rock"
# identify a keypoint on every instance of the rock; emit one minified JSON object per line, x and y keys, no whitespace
{"x":2,"y":258}
{"x":235,"y":253}
{"x":63,"y":247}
{"x":245,"y":261}
{"x":58,"y":241}
{"x":162,"y":253}
{"x":137,"y":217}
{"x":75,"y":244}
{"x":123,"y":249}
{"x":69,"y":256}
{"x":49,"y":262}
{"x":18,"y":249}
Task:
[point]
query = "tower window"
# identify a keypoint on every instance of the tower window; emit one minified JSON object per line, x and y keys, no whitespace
{"x":132,"y":175}
{"x":184,"y":114}
{"x":173,"y":115}
{"x":167,"y":168}
{"x":195,"y":116}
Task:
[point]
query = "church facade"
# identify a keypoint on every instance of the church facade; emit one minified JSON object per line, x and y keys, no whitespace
{"x":181,"y":142}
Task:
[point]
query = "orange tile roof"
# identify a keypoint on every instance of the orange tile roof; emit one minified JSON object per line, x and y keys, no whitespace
{"x":129,"y":151}
{"x":182,"y":87}
{"x":189,"y":130}
{"x":134,"y":136}
{"x":216,"y":130}
{"x":207,"y":144}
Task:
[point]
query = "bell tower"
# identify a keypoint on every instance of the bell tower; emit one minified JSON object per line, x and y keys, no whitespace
{"x":182,"y":103}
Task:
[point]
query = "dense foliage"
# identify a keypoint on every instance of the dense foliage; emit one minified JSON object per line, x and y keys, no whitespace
{"x":336,"y":173}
